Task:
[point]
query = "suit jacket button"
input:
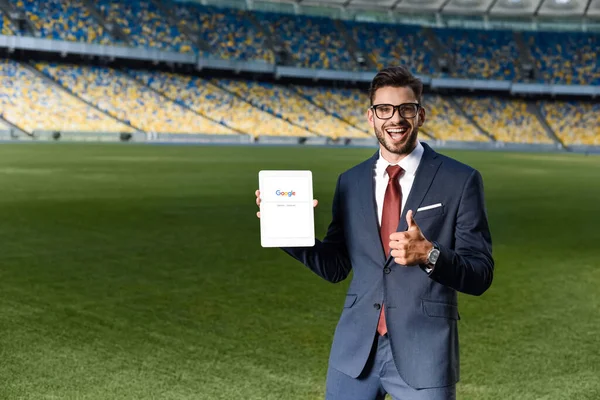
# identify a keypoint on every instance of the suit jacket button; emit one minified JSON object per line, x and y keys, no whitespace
{"x":376,"y":306}
{"x":387,"y":270}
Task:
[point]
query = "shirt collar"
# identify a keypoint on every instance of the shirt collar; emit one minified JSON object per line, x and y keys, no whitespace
{"x":409,"y":164}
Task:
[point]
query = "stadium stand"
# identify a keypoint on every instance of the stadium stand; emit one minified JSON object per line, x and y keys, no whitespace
{"x":314,"y":41}
{"x":32,"y":103}
{"x":142,"y":22}
{"x":127,"y":100}
{"x":348,"y":104}
{"x":566,"y":58}
{"x":389,"y":44}
{"x":64,"y":20}
{"x":229,"y":32}
{"x":575,"y":123}
{"x":506,"y":120}
{"x":173,"y":103}
{"x":480,"y":54}
{"x":218,"y":104}
{"x":6,"y":25}
{"x":283,"y":102}
{"x":444,"y":122}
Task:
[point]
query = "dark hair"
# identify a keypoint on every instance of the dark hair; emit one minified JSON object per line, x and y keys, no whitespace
{"x":396,"y":77}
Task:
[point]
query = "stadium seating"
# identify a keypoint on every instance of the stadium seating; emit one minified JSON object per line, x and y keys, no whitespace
{"x":229,"y":32}
{"x":566,"y":58}
{"x":348,"y":104}
{"x":574,"y":122}
{"x":315,"y":42}
{"x":6,"y":25}
{"x":506,"y":120}
{"x":64,"y":20}
{"x":285,"y":103}
{"x":129,"y":101}
{"x":143,"y":23}
{"x":222,"y":106}
{"x":389,"y":45}
{"x":444,"y":122}
{"x":173,"y":103}
{"x":34,"y":104}
{"x":481,"y":54}
{"x":217,"y":104}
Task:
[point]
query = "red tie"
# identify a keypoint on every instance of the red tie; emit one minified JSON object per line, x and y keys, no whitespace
{"x":389,"y":222}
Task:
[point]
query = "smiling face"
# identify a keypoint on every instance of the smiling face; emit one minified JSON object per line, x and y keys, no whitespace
{"x":398,"y":135}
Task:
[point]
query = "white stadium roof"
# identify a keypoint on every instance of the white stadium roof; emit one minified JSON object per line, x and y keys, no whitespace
{"x":549,"y":8}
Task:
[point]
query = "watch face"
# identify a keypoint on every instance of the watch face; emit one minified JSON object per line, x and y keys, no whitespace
{"x":433,"y":256}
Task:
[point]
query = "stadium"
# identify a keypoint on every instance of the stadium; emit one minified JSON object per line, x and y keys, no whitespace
{"x":131,"y":137}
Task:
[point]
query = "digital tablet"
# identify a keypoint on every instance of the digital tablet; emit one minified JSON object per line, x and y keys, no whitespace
{"x":286,"y":209}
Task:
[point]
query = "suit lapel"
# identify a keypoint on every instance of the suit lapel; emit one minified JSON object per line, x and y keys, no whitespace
{"x":365,"y":187}
{"x":426,"y":171}
{"x":428,"y":167}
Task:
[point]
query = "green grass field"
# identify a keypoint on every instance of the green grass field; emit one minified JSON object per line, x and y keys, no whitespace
{"x":136,"y":272}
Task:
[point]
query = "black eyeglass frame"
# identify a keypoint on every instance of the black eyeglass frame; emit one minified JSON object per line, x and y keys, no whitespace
{"x":374,"y":108}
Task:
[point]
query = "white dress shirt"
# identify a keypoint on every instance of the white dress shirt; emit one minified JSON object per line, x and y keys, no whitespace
{"x":409,"y":164}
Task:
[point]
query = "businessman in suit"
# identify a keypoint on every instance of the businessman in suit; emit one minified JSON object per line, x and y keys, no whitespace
{"x":412,"y":225}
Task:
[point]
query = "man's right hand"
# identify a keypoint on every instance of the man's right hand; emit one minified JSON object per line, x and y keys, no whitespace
{"x":257,"y":193}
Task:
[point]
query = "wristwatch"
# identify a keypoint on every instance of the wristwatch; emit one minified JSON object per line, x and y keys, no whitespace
{"x":432,"y":257}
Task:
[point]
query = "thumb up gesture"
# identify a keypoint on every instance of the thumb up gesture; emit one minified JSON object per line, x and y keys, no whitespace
{"x":410,"y":248}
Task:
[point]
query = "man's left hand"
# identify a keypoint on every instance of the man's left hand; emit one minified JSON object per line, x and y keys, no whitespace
{"x":410,"y":248}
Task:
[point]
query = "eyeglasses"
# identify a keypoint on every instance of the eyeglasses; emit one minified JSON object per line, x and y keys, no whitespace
{"x":387,"y":111}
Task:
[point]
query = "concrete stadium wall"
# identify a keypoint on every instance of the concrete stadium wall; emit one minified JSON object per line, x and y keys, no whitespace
{"x":586,"y":149}
{"x":83,"y":136}
{"x":12,"y":135}
{"x":498,"y":146}
{"x":5,"y":135}
{"x":138,"y":137}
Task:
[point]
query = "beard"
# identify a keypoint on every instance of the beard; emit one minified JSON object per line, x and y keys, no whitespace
{"x":402,"y":147}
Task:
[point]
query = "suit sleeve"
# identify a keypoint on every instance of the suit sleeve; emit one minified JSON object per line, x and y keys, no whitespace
{"x":469,"y":267}
{"x":328,"y":258}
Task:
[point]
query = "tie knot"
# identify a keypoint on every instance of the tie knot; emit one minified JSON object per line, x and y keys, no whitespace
{"x":394,"y":171}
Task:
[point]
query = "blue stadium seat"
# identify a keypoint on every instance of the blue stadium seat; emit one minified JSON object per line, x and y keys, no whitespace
{"x":145,"y":26}
{"x":6,"y":27}
{"x":389,"y":45}
{"x":481,"y":54}
{"x":229,"y":32}
{"x":315,"y":42}
{"x":64,"y":20}
{"x":566,"y":57}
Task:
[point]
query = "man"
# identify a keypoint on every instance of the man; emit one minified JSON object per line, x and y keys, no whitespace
{"x":412,"y":225}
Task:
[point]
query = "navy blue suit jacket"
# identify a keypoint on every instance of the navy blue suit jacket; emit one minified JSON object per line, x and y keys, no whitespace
{"x":421,"y":309}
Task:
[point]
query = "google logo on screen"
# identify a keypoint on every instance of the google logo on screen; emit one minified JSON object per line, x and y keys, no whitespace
{"x":285,"y":194}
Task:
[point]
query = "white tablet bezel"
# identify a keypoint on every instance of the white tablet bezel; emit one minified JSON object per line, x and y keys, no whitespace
{"x":267,"y":241}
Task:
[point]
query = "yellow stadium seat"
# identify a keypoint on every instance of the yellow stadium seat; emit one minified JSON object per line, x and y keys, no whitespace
{"x":33,"y":104}
{"x":506,"y":120}
{"x":123,"y":98}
